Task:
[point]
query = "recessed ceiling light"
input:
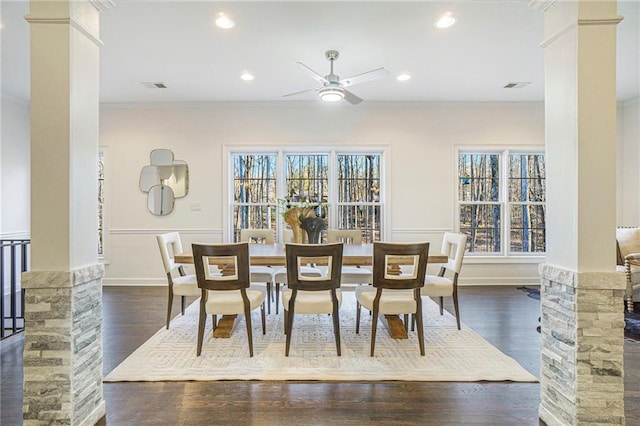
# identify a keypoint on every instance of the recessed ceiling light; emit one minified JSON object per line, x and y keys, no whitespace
{"x":446,"y":20}
{"x":225,"y":22}
{"x":403,"y":77}
{"x":247,"y":76}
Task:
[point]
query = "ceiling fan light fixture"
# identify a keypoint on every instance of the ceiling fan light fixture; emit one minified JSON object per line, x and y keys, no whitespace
{"x":331,"y":94}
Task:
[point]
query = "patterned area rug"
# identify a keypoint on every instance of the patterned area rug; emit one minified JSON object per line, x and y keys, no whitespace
{"x":451,"y":355}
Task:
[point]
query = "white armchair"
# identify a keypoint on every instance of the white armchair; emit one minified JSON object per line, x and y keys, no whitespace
{"x":628,"y":260}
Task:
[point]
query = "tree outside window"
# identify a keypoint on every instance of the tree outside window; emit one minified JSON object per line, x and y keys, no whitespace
{"x":349,"y":183}
{"x":492,"y":184}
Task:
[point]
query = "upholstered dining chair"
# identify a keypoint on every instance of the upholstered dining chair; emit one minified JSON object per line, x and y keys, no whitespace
{"x":395,"y":290}
{"x":259,"y":273}
{"x":453,"y":245}
{"x":280,"y":276}
{"x":182,"y":285}
{"x":312,"y":294}
{"x":350,"y":274}
{"x":628,"y":260}
{"x":226,"y":292}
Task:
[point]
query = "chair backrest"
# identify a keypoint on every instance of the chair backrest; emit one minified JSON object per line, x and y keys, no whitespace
{"x":232,"y":260}
{"x":386,"y":260}
{"x":453,"y":245}
{"x":170,"y":245}
{"x":263,"y":236}
{"x":628,"y":239}
{"x":298,"y":255}
{"x":347,"y":236}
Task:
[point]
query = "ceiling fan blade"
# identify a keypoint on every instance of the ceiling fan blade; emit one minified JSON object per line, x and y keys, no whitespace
{"x":351,"y":98}
{"x":300,"y":92}
{"x":317,"y":77}
{"x":364,"y":77}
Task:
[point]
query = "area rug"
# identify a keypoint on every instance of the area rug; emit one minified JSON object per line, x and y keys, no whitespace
{"x":451,"y":354}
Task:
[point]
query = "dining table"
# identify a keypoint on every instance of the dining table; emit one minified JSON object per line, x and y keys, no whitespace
{"x":274,"y":255}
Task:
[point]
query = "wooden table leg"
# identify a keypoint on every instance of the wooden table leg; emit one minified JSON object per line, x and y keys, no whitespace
{"x":225,"y":326}
{"x":395,"y":326}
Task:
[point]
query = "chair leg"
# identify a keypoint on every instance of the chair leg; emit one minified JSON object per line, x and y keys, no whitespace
{"x":214,"y":320}
{"x":264,"y":324}
{"x":169,"y":305}
{"x":629,"y":302}
{"x":455,"y":306}
{"x":336,"y":323}
{"x":286,"y":317}
{"x":202,"y":320}
{"x":419,"y":321}
{"x":374,"y":326}
{"x":441,"y":305}
{"x":247,"y":320}
{"x":406,"y":322}
{"x":289,"y":324}
{"x":357,"y":317}
{"x":269,"y":297}
{"x":277,"y":296}
{"x":183,"y":305}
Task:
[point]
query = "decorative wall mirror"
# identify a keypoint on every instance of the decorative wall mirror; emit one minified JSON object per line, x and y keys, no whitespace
{"x":164,"y":180}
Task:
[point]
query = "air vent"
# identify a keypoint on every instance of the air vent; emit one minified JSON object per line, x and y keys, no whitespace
{"x":517,"y":85}
{"x":153,"y":85}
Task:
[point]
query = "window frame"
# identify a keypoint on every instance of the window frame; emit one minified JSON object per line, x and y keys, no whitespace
{"x":104,"y":257}
{"x":503,"y":151}
{"x":281,"y":151}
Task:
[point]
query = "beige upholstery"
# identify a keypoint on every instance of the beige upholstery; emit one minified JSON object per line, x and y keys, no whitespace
{"x":226,"y":292}
{"x":261,"y":274}
{"x":394,"y":291}
{"x":453,"y":245}
{"x":628,"y":259}
{"x":280,"y":276}
{"x":182,"y":285}
{"x":350,"y":274}
{"x":312,"y":295}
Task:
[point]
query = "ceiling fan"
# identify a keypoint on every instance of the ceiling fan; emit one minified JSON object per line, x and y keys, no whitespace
{"x":333,"y":88}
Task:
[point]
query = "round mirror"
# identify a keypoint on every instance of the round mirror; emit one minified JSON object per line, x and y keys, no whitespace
{"x":160,"y":200}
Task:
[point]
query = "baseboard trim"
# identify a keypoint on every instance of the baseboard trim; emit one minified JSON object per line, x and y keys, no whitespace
{"x":485,"y":281}
{"x":134,"y":282}
{"x":506,"y":281}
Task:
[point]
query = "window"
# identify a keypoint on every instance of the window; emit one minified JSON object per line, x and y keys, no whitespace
{"x":101,"y":210}
{"x":349,"y":182}
{"x":492,"y":184}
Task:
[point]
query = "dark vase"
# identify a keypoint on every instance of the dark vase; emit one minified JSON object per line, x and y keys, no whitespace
{"x":314,"y":226}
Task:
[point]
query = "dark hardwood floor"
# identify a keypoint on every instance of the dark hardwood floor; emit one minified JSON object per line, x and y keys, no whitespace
{"x":505,"y":316}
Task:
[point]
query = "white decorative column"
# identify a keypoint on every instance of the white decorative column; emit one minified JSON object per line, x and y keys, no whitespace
{"x":63,"y":315}
{"x":582,"y":376}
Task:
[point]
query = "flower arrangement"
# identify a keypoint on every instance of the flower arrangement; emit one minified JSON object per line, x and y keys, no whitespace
{"x":295,"y":212}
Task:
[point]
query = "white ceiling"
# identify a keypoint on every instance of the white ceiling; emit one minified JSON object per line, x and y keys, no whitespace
{"x":175,"y":42}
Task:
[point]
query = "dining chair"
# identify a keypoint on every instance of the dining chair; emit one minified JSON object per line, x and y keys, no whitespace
{"x":182,"y":285}
{"x":312,"y":294}
{"x":280,"y":276}
{"x":350,"y":274}
{"x":259,"y":273}
{"x":226,"y":292}
{"x":628,"y":260}
{"x":395,"y":290}
{"x":453,"y":245}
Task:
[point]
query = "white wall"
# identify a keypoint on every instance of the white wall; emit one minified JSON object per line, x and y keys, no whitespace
{"x":14,"y":168}
{"x":629,"y":163}
{"x":421,"y":184}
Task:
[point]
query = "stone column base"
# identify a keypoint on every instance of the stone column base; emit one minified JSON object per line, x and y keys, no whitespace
{"x":582,"y":331}
{"x":63,"y":347}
